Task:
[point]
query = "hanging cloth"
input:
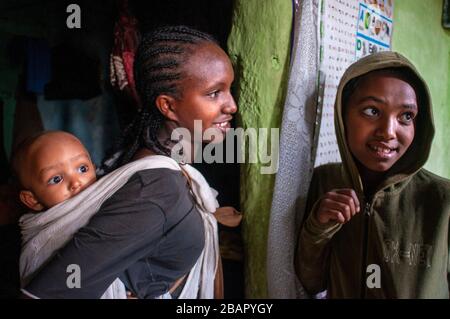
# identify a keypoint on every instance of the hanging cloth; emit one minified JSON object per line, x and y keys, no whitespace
{"x":126,"y":40}
{"x":38,"y":65}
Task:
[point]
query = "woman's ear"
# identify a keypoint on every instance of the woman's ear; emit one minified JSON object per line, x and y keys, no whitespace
{"x":30,"y":201}
{"x":166,"y":105}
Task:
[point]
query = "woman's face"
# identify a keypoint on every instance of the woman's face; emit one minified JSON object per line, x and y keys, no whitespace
{"x":206,"y":95}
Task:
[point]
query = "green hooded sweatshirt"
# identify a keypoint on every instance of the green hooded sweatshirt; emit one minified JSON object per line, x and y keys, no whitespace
{"x":398,"y":245}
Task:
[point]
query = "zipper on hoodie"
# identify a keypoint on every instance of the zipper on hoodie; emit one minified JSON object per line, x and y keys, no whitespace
{"x":367,"y":214}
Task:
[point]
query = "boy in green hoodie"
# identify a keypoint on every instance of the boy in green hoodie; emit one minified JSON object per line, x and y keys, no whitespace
{"x":377,"y":224}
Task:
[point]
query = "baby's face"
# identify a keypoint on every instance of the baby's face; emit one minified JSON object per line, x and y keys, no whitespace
{"x":379,"y":121}
{"x":59,"y":168}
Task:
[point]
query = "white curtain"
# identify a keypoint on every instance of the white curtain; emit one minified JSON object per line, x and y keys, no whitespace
{"x":298,"y":133}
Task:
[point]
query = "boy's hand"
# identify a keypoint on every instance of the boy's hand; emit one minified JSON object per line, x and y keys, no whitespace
{"x":339,"y":205}
{"x":228,"y":216}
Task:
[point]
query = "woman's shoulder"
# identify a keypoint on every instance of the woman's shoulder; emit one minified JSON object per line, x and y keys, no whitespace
{"x":159,"y":176}
{"x":150,"y":183}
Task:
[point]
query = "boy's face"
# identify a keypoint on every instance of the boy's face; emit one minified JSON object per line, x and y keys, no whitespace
{"x":59,"y":167}
{"x":379,"y":120}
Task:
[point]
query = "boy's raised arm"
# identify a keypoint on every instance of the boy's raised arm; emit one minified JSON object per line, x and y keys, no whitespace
{"x":325,"y":219}
{"x":312,"y":257}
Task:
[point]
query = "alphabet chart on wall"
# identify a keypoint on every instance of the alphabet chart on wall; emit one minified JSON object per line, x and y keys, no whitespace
{"x":350,"y":29}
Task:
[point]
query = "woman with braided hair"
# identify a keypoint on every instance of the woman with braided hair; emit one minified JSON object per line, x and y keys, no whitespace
{"x":155,"y":230}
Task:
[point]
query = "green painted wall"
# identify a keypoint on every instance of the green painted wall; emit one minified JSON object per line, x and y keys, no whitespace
{"x":418,"y":34}
{"x":259,"y":47}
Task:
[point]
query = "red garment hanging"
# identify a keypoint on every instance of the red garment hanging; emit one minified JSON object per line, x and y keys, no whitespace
{"x":126,"y":41}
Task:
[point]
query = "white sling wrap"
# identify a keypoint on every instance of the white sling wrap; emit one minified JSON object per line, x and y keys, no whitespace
{"x":43,"y":234}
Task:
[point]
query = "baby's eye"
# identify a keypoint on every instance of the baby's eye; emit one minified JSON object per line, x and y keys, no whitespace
{"x":83,"y":169}
{"x":55,"y":180}
{"x":371,"y":111}
{"x":407,"y":117}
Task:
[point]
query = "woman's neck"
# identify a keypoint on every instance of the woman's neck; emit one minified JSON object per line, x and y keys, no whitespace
{"x":143,"y":152}
{"x":174,"y":147}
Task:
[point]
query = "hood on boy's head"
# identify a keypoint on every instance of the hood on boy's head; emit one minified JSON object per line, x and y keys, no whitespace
{"x":417,"y":154}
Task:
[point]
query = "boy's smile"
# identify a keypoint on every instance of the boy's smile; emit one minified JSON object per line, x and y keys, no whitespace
{"x":382,"y":150}
{"x":379,"y":120}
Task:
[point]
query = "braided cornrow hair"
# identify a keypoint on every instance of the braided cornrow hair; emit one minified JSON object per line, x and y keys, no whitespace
{"x":157,"y":70}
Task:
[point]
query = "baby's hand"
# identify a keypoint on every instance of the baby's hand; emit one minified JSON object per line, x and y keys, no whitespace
{"x":228,"y":216}
{"x":339,"y":205}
